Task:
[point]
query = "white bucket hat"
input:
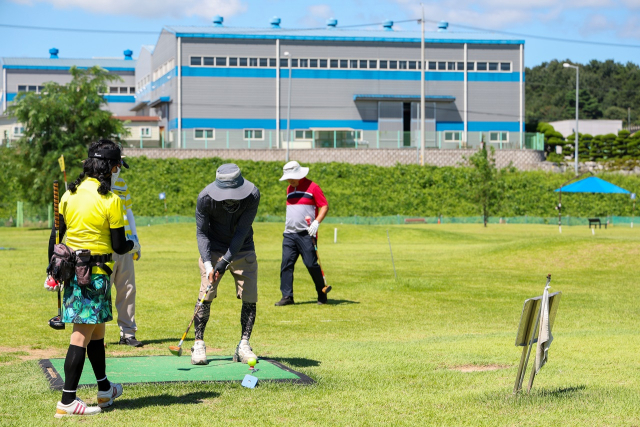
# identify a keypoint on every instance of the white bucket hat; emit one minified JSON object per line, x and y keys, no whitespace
{"x":293,"y":170}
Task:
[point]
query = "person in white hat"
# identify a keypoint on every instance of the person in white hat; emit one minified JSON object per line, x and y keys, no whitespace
{"x":305,"y":200}
{"x":225,"y":212}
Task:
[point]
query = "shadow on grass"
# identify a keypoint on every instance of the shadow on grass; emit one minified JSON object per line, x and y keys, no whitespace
{"x":165,"y":400}
{"x":158,"y":341}
{"x":562,"y":392}
{"x":297,"y":362}
{"x":330,"y":302}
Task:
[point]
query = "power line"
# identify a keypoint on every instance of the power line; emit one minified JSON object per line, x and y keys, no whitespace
{"x":76,"y":30}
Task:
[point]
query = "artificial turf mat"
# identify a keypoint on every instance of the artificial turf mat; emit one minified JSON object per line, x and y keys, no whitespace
{"x":162,"y":369}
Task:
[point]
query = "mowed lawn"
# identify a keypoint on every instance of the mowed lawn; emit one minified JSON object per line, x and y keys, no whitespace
{"x":383,"y":352}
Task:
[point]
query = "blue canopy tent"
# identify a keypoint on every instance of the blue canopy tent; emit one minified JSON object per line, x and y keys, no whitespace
{"x":592,"y":185}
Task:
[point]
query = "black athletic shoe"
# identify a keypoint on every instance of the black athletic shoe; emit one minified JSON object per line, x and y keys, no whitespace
{"x":322,"y":301}
{"x":285,"y":301}
{"x":132,"y":341}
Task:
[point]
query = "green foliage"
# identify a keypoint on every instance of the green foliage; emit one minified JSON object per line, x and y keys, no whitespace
{"x":606,"y":89}
{"x":485,"y":183}
{"x":62,"y":120}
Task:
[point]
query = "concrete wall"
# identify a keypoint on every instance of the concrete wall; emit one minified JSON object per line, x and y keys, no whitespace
{"x":521,"y":159}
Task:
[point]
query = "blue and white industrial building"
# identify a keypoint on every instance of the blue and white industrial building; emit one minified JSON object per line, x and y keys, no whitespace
{"x":218,"y":86}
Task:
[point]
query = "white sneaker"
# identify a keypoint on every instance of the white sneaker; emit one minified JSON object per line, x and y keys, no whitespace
{"x":199,"y":353}
{"x":77,"y":407}
{"x":105,"y":398}
{"x":244,"y":352}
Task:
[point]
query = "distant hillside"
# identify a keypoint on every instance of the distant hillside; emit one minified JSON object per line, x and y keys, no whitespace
{"x":607,"y":89}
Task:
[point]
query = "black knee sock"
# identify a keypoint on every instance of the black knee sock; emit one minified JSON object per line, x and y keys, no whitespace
{"x":73,"y":364}
{"x":95,"y":351}
{"x":202,"y":317}
{"x":247,"y":319}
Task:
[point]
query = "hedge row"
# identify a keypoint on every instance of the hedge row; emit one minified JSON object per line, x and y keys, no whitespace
{"x":362,"y":190}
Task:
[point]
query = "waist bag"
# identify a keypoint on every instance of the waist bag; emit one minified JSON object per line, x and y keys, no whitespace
{"x":65,"y":263}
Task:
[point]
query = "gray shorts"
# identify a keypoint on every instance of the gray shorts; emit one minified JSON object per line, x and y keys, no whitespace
{"x":243,"y":268}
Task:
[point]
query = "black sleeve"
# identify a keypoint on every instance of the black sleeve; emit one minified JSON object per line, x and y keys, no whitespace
{"x":119,"y":242}
{"x":244,"y":224}
{"x":52,"y":238}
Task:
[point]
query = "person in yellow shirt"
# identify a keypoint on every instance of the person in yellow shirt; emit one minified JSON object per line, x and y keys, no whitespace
{"x":90,"y":216}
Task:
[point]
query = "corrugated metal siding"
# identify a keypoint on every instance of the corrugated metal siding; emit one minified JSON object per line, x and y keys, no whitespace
{"x":165,"y":49}
{"x":494,"y":102}
{"x":495,"y":53}
{"x":204,"y":47}
{"x":27,"y":77}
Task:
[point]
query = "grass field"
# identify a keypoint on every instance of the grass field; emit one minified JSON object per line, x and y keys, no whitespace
{"x":384,"y":351}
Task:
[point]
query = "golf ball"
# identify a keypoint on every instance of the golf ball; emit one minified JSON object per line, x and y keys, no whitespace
{"x":252,"y":362}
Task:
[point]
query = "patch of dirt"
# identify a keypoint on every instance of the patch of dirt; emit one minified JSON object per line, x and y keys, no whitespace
{"x":39,"y":353}
{"x":477,"y":368}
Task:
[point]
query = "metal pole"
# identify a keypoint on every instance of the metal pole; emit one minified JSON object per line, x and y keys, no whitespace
{"x":422,"y":91}
{"x":288,"y":55}
{"x":577,"y":100}
{"x":278,"y":143}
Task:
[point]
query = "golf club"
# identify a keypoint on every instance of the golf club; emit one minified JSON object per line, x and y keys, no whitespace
{"x":176,"y":350}
{"x":326,"y":288}
{"x":56,"y":321}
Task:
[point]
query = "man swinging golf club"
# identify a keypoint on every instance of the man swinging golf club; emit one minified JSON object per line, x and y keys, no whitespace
{"x":304,"y":200}
{"x":225,"y":211}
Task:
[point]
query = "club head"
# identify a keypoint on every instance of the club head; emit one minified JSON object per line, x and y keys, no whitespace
{"x":56,"y":323}
{"x":326,"y":289}
{"x":175,"y":350}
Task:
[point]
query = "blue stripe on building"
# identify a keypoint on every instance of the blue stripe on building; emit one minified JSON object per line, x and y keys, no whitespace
{"x":270,"y":73}
{"x":270,"y":124}
{"x":11,"y":96}
{"x":119,"y":98}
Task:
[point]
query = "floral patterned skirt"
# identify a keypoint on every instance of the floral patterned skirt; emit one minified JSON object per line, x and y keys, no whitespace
{"x":89,"y":304}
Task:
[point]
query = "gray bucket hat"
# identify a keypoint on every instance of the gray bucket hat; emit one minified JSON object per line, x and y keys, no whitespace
{"x":229,"y":184}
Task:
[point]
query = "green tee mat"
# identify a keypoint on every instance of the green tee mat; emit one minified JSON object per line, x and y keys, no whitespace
{"x":166,"y":369}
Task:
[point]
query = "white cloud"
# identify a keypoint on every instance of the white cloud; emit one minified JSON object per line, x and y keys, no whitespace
{"x":151,"y":8}
{"x":595,"y":24}
{"x":317,"y":15}
{"x":631,"y":3}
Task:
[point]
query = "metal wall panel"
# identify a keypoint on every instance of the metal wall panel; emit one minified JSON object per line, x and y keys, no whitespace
{"x":494,"y":102}
{"x":165,"y":49}
{"x":208,"y":47}
{"x":506,"y":53}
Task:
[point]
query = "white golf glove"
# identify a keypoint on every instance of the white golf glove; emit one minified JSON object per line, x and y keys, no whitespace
{"x":136,"y":244}
{"x":208,"y":267}
{"x":137,"y":255}
{"x":51,"y":288}
{"x":313,"y":228}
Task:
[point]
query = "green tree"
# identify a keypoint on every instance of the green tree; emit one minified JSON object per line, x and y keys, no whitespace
{"x":62,"y":120}
{"x":486,"y":183}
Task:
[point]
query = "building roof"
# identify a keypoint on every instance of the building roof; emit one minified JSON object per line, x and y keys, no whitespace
{"x":338,"y":34}
{"x":138,"y":118}
{"x":66,"y":63}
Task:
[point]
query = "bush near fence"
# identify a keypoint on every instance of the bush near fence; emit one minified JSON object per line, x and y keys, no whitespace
{"x":362,"y":190}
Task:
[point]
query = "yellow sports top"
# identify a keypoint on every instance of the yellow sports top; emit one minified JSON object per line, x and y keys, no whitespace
{"x":90,"y":217}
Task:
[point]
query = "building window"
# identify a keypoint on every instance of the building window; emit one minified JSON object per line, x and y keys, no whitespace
{"x":373,"y":64}
{"x":363,"y":63}
{"x":253,"y":134}
{"x":132,"y":90}
{"x":353,"y":63}
{"x":113,"y":89}
{"x":284,"y":62}
{"x":393,"y":65}
{"x":303,"y":135}
{"x":145,"y":132}
{"x":123,"y":90}
{"x":344,"y":63}
{"x":460,"y":66}
{"x":242,"y":62}
{"x":304,"y":63}
{"x":313,"y":63}
{"x":402,"y":65}
{"x":505,"y":66}
{"x":22,"y":88}
{"x":323,"y":63}
{"x":221,"y":61}
{"x":413,"y":65}
{"x":204,"y":134}
{"x":442,"y":65}
{"x":481,"y":66}
{"x":233,"y":62}
{"x":253,"y":62}
{"x":383,"y":64}
{"x":433,"y":65}
{"x":493,"y":66}
{"x":207,"y":61}
{"x":294,"y":62}
{"x":196,"y":60}
{"x":18,"y":130}
{"x":333,"y":63}
{"x":272,"y":62}
{"x":451,"y":66}
{"x":264,"y":62}
{"x":498,"y":136}
{"x":452,"y":136}
{"x":471,"y":66}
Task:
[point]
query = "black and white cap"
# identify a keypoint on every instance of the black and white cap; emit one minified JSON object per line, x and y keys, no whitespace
{"x":229,"y":184}
{"x":108,"y":155}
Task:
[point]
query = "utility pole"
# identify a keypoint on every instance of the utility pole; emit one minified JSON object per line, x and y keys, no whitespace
{"x":288,"y":55}
{"x":567,"y":65}
{"x":422,"y":94}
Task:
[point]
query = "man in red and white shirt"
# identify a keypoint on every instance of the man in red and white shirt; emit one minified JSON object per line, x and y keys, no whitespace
{"x":304,"y":200}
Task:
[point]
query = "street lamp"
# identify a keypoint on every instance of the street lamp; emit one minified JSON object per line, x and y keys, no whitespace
{"x":566,"y":65}
{"x":288,"y":55}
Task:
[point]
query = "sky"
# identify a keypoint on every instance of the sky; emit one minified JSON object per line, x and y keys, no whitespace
{"x":589,"y":21}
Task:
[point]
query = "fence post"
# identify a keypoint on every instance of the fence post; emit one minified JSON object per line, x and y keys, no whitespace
{"x":313,"y":138}
{"x":205,"y":139}
{"x":161,"y":139}
{"x":249,"y":142}
{"x":269,"y":140}
{"x":378,"y":139}
{"x":335,"y":139}
{"x":398,"y":139}
{"x":227,"y":140}
{"x":140,"y":139}
{"x":184,"y":139}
